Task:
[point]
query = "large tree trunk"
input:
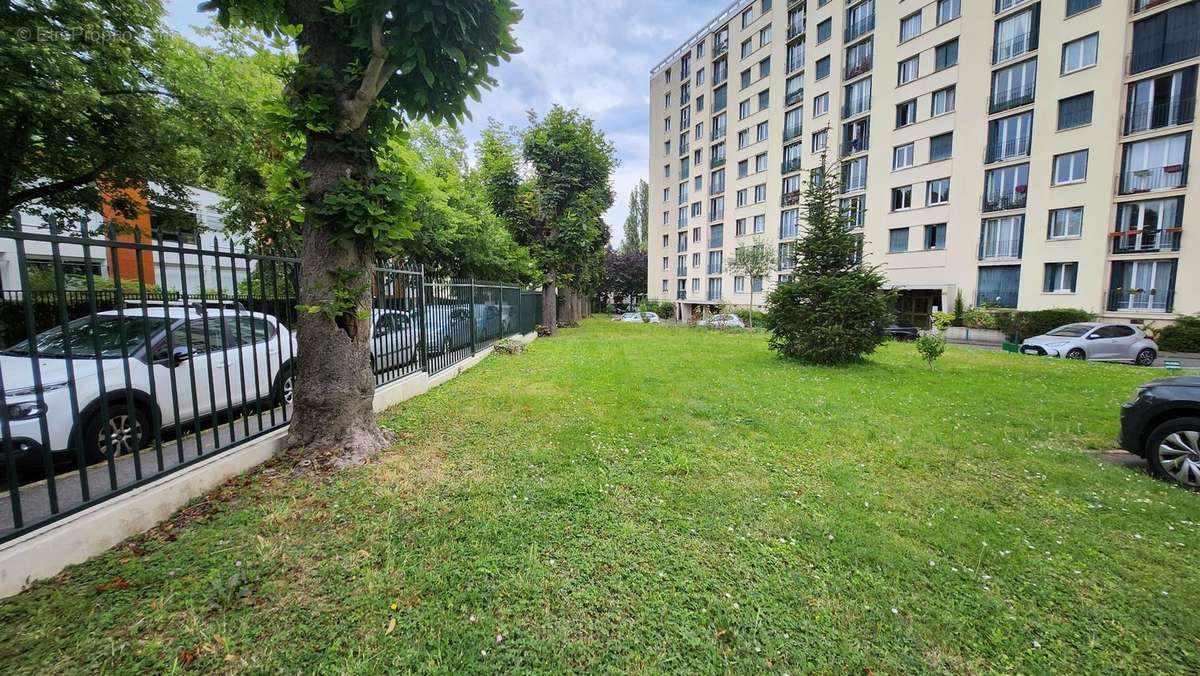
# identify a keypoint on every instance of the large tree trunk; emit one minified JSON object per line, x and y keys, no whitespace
{"x":550,"y":303}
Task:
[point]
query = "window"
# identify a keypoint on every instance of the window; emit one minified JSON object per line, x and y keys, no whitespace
{"x":1162,"y":101}
{"x":858,"y":98}
{"x":998,"y":285}
{"x":1152,"y":225}
{"x":1015,"y":35}
{"x":941,"y":147}
{"x":937,"y":192}
{"x":1167,"y":37}
{"x":667,"y":100}
{"x":1009,"y":137}
{"x":739,"y":227}
{"x":760,"y":193}
{"x":1075,"y":111}
{"x":760,"y":132}
{"x":716,"y":182}
{"x":742,"y":197}
{"x":764,"y":99}
{"x":764,"y":67}
{"x":698,"y":182}
{"x":942,"y":101}
{"x":1013,"y":86}
{"x":746,"y":75}
{"x":720,"y":71}
{"x":855,"y":210}
{"x":743,"y":138}
{"x":897,"y":240}
{"x":667,"y":123}
{"x":854,"y":175}
{"x":743,"y":168}
{"x":1080,"y":54}
{"x":747,"y":47}
{"x":820,"y":140}
{"x":1065,"y":223}
{"x":1142,"y":285}
{"x":1001,"y":237}
{"x":1005,"y":188}
{"x":948,"y":10}
{"x":760,"y":224}
{"x":739,"y":284}
{"x":764,"y":36}
{"x":859,"y":58}
{"x":908,"y":70}
{"x":788,"y":224}
{"x":1155,"y":164}
{"x":747,"y":17}
{"x":1076,"y":6}
{"x":1060,"y":277}
{"x":902,"y":156}
{"x":945,"y":55}
{"x":699,"y":76}
{"x":744,"y":109}
{"x":935,"y":236}
{"x":824,"y":30}
{"x":902,"y":198}
{"x":666,"y":263}
{"x":906,"y":113}
{"x":760,"y":162}
{"x":822,"y":67}
{"x":766,"y":6}
{"x":1070,"y":168}
{"x":699,"y":131}
{"x":820,"y":104}
{"x":910,"y":27}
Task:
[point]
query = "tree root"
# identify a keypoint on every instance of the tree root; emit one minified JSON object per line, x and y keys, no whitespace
{"x":331,"y":450}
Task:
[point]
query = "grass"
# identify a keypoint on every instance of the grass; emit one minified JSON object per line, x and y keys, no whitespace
{"x":641,"y":498}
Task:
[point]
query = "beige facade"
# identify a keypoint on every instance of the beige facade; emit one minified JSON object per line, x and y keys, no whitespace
{"x":1024,"y":154}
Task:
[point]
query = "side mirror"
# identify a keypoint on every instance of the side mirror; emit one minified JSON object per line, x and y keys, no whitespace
{"x":1092,"y":336}
{"x":179,"y":355}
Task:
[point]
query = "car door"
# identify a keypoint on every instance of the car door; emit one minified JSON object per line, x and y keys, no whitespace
{"x":1121,"y":342}
{"x":1101,"y":343}
{"x":252,"y":358}
{"x":190,"y":362}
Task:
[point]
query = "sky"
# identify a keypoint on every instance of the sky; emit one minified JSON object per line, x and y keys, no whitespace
{"x":592,"y":55}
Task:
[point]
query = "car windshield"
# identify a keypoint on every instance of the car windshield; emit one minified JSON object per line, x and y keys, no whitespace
{"x":98,"y":335}
{"x":1071,"y":330}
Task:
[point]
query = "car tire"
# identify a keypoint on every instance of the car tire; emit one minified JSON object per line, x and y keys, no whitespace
{"x":1076,"y":353}
{"x":126,"y":426}
{"x":1146,"y":357}
{"x":285,"y":383}
{"x":1173,"y":451}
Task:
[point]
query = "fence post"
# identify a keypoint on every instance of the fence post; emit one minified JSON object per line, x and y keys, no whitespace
{"x":421,"y":310}
{"x":472,"y":316}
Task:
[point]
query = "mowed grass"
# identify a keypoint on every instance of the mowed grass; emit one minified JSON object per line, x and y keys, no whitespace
{"x":638,"y":498}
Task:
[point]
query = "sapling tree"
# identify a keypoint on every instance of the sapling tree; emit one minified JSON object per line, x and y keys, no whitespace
{"x":754,"y":260}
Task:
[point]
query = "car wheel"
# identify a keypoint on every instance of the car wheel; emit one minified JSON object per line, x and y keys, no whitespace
{"x":285,"y":386}
{"x":122,"y":431}
{"x":1173,"y":450}
{"x":1146,"y":357}
{"x":1076,"y":353}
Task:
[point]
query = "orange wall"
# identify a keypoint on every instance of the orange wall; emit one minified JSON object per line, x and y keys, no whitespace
{"x":124,"y":258}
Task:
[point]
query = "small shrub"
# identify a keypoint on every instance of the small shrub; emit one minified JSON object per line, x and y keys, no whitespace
{"x":745,"y":314}
{"x":944,"y":320}
{"x":930,"y":347}
{"x":959,"y":310}
{"x":508,"y":346}
{"x":1182,"y":336}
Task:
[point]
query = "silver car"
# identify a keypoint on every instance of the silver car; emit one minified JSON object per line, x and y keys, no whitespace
{"x":723,"y":322}
{"x":1095,"y":341}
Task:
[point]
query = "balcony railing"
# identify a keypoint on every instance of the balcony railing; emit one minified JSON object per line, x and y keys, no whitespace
{"x":1008,"y":149}
{"x":792,"y":131}
{"x":1163,"y":53}
{"x":1146,"y":241}
{"x":1014,"y":47}
{"x":681,"y":246}
{"x":1001,"y":250}
{"x":1148,"y":115}
{"x":794,"y":64}
{"x":1143,"y":5}
{"x":793,"y":97}
{"x":855,"y":145}
{"x":681,"y":295}
{"x":717,"y":162}
{"x":714,"y":269}
{"x":790,"y":199}
{"x":716,"y":242}
{"x":795,"y":30}
{"x":863,"y":65}
{"x":714,"y":295}
{"x":1013,"y":97}
{"x":856,"y":106}
{"x":786,"y":231}
{"x":720,"y":48}
{"x":717,"y":134}
{"x":788,"y":166}
{"x":1166,"y":177}
{"x":859,"y":28}
{"x":1005,"y":201}
{"x":716,"y":189}
{"x":684,"y":149}
{"x":1141,"y":300}
{"x":716,"y":216}
{"x":681,"y":271}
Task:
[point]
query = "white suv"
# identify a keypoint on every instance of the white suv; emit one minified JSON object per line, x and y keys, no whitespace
{"x":184,"y":362}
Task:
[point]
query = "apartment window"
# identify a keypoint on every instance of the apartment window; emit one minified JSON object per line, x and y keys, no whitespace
{"x":699,"y":131}
{"x":699,"y":76}
{"x":716,"y":182}
{"x":999,"y":285}
{"x":948,"y":10}
{"x":667,"y":100}
{"x":695,"y":284}
{"x":791,"y":157}
{"x":822,"y":67}
{"x":743,"y":138}
{"x":937,"y":192}
{"x":666,"y":147}
{"x":1001,"y":237}
{"x":793,"y":90}
{"x":908,"y":70}
{"x":766,"y":6}
{"x":902,"y":198}
{"x":897,"y":240}
{"x":1076,"y":6}
{"x":700,"y":50}
{"x":667,"y":123}
{"x":795,"y":57}
{"x":1060,"y":277}
{"x":820,"y":140}
{"x":1015,"y":35}
{"x":910,"y":27}
{"x":788,"y":224}
{"x":855,"y":211}
{"x":720,"y":71}
{"x":1013,"y":86}
{"x":858,"y":98}
{"x":1155,"y":164}
{"x":1142,"y":285}
{"x":856,"y":136}
{"x":760,"y":224}
{"x":945,"y":55}
{"x":742,"y":197}
{"x":1005,"y":188}
{"x":820,"y":104}
{"x":1167,"y":37}
{"x":1152,"y":225}
{"x":764,"y":99}
{"x":1070,"y":167}
{"x":698,"y":182}
{"x":1163,"y":101}
{"x":743,"y":168}
{"x":1065,"y":223}
{"x":667,"y":75}
{"x":698,"y":157}
{"x":747,"y":47}
{"x":1009,"y":137}
{"x":666,"y":171}
{"x":739,"y":227}
{"x":760,"y":193}
{"x":854,"y":175}
{"x":906,"y":113}
{"x":764,"y":67}
{"x":760,"y":132}
{"x":746,"y":75}
{"x":718,"y":154}
{"x":739,"y":284}
{"x":744,"y":109}
{"x":942,"y":101}
{"x":1080,"y":54}
{"x":760,"y":162}
{"x":824,"y":30}
{"x":683,"y":192}
{"x":791,"y":189}
{"x":666,"y":263}
{"x":665,"y":238}
{"x":747,"y":17}
{"x":716,"y":209}
{"x":1075,"y":111}
{"x":700,"y":103}
{"x":941,"y":147}
{"x":935,"y":236}
{"x":785,"y":257}
{"x":902,"y":156}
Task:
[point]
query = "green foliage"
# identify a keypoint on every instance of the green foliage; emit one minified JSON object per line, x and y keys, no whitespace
{"x":1027,"y":323}
{"x":1182,"y":336}
{"x":750,"y":317}
{"x":343,"y":295}
{"x":665,"y":309}
{"x":637,"y":223}
{"x":959,"y":309}
{"x":942,"y":320}
{"x":931,"y":348}
{"x":754,"y":260}
{"x":42,"y":278}
{"x":835,"y":309}
{"x":625,"y":273}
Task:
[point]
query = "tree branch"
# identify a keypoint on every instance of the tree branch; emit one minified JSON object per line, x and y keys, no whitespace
{"x":378,"y":71}
{"x":9,"y":202}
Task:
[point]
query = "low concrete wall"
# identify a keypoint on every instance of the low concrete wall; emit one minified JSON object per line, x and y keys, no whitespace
{"x":47,"y":551}
{"x":965,"y":335}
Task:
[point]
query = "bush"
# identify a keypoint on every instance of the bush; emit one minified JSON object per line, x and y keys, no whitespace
{"x":1182,"y":336}
{"x":1036,"y":322}
{"x":847,"y":324}
{"x":944,"y":320}
{"x":745,"y":314}
{"x":930,"y":347}
{"x":664,"y":309}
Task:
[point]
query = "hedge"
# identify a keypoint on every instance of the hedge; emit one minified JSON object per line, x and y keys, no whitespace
{"x":1182,"y":336}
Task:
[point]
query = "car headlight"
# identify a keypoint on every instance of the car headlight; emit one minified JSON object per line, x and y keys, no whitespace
{"x":25,"y":410}
{"x":1137,"y":394}
{"x":46,"y":387}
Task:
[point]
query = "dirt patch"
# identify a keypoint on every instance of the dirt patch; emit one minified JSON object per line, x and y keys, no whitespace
{"x":1119,"y":458}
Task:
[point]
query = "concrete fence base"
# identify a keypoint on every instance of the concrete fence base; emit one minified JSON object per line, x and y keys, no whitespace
{"x":47,"y":551}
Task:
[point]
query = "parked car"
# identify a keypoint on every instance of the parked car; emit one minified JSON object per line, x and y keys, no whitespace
{"x":640,"y":317}
{"x":1095,"y":341}
{"x":447,"y":328}
{"x":1161,"y":423}
{"x":901,"y":331}
{"x":129,"y":373}
{"x":723,"y":322}
{"x":395,"y":340}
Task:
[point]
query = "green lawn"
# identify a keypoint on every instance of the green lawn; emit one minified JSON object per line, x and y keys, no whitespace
{"x":641,"y":498}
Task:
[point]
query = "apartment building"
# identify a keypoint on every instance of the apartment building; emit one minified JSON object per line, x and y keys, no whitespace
{"x":1024,"y":154}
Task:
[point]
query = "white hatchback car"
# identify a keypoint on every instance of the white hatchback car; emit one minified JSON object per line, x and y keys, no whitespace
{"x":114,"y":377}
{"x":1095,"y":341}
{"x":725,"y":321}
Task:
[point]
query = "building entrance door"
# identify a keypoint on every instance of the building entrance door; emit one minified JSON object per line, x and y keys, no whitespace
{"x":915,"y":307}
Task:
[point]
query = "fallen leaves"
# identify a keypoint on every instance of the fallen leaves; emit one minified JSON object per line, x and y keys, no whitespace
{"x":114,"y":584}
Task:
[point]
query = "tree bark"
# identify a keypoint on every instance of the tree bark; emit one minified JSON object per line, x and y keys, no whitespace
{"x":550,"y":303}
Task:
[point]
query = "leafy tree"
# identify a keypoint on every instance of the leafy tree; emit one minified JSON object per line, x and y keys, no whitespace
{"x":363,"y":68}
{"x":930,"y":347}
{"x":637,"y":225}
{"x":552,"y":193}
{"x":625,"y":273}
{"x":835,"y":309}
{"x":754,"y":260}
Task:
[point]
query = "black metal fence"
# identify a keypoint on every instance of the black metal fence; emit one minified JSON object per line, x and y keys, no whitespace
{"x":105,"y":386}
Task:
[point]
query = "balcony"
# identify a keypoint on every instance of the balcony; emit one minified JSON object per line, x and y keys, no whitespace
{"x":790,"y":199}
{"x":1149,"y":57}
{"x":1148,"y":115}
{"x":1143,"y":5}
{"x":1014,"y":97}
{"x":788,"y":166}
{"x":860,"y":28}
{"x":1149,"y":240}
{"x":717,"y":162}
{"x":1005,"y":201}
{"x":1014,"y":47}
{"x":786,"y":231}
{"x":684,"y":148}
{"x":681,"y":247}
{"x":854,"y":146}
{"x":1168,"y":177}
{"x":681,"y":271}
{"x":792,"y":131}
{"x":793,"y":97}
{"x":681,"y":295}
{"x":794,"y":64}
{"x":795,"y":30}
{"x":720,"y":48}
{"x":1010,"y":149}
{"x":717,"y":134}
{"x":856,"y":106}
{"x":863,"y":65}
{"x":714,"y":269}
